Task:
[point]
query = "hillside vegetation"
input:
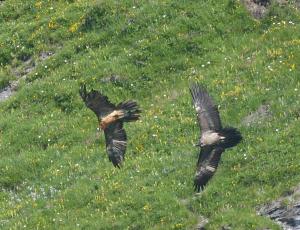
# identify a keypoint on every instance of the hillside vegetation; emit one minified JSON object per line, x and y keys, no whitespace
{"x":54,"y":171}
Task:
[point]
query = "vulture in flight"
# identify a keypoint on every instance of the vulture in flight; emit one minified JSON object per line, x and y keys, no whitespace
{"x":214,"y":138}
{"x":111,"y":118}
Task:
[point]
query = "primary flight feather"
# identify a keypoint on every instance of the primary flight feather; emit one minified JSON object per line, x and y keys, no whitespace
{"x":111,"y":118}
{"x":214,"y":139}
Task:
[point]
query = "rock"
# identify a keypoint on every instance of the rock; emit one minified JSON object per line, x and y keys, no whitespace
{"x":202,"y":221}
{"x":285,"y":211}
{"x":257,"y":8}
{"x":21,"y":72}
{"x":25,"y":68}
{"x":45,"y":55}
{"x":113,"y":78}
{"x":6,"y":93}
{"x":262,"y":2}
{"x":14,"y":85}
{"x":225,"y":227}
{"x":258,"y":116}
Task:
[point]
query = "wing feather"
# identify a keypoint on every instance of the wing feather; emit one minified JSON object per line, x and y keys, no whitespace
{"x":97,"y":102}
{"x":116,"y":142}
{"x":207,"y":165}
{"x":207,"y":112}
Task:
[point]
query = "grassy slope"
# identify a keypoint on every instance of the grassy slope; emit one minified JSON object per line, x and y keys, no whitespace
{"x":54,"y":169}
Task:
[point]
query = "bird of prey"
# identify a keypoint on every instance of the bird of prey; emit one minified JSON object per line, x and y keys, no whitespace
{"x":111,"y":118}
{"x":214,"y":138}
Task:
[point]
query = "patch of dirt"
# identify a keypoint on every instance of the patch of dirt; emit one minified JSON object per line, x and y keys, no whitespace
{"x":257,"y":116}
{"x":285,"y":211}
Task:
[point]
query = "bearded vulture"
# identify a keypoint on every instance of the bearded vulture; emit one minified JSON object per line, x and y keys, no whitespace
{"x":214,"y":139}
{"x":111,"y":118}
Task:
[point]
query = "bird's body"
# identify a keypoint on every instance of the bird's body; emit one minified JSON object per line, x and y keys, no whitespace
{"x":214,"y":138}
{"x":210,"y":138}
{"x":111,"y":119}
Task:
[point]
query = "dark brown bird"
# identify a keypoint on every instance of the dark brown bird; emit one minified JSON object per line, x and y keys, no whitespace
{"x":111,"y":118}
{"x":214,"y":139}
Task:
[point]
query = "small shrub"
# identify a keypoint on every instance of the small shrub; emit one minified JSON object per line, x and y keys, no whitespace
{"x":64,"y":102}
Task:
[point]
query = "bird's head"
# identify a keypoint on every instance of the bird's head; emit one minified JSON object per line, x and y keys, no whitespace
{"x":200,"y":144}
{"x":88,"y":98}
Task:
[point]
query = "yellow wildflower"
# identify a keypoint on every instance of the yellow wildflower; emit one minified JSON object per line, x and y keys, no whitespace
{"x":38,"y":4}
{"x":147,"y":207}
{"x":74,"y":27}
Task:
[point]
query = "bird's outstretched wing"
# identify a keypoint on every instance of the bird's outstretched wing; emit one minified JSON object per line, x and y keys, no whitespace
{"x":116,"y":141}
{"x":207,"y":165}
{"x":207,"y":112}
{"x":97,"y":102}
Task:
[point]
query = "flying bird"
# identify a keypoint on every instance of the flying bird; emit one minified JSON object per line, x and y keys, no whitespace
{"x":214,"y":139}
{"x":111,"y":118}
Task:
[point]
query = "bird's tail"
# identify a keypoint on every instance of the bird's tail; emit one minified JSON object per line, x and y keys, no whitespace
{"x":232,"y":137}
{"x":130,"y":109}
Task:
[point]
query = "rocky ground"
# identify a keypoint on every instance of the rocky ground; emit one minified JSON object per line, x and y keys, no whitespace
{"x":285,"y":210}
{"x":20,"y":72}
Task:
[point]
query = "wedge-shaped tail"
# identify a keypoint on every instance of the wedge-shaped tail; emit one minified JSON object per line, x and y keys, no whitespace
{"x":130,"y":110}
{"x":232,"y":137}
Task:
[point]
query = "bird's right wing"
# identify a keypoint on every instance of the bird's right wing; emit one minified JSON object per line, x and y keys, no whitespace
{"x":116,"y":141}
{"x":207,"y":165}
{"x":207,"y":112}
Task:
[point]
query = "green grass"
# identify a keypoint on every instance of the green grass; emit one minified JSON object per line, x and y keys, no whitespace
{"x":54,"y":169}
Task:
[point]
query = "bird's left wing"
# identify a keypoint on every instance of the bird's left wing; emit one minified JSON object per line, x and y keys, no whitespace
{"x":207,"y":111}
{"x":116,"y":141}
{"x":207,"y":165}
{"x":97,"y":102}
